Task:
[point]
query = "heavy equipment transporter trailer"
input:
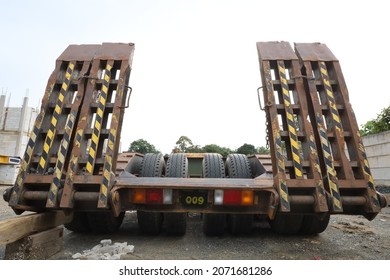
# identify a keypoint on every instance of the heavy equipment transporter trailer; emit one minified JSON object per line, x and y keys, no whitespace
{"x":319,"y":165}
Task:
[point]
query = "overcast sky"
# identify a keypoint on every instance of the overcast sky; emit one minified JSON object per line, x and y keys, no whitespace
{"x":195,"y":69}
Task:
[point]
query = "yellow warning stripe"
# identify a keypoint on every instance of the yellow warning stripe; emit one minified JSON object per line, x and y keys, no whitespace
{"x":99,"y":120}
{"x":292,"y":129}
{"x":56,"y":114}
{"x":331,"y":172}
{"x":330,"y":96}
{"x":26,"y":159}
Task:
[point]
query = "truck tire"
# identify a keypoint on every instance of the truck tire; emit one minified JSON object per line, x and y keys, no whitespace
{"x":153,"y":165}
{"x":79,"y":223}
{"x":286,"y":224}
{"x":104,"y":222}
{"x":314,"y":224}
{"x":177,"y":167}
{"x":257,"y":168}
{"x":213,"y":167}
{"x":134,"y":165}
{"x":238,"y":166}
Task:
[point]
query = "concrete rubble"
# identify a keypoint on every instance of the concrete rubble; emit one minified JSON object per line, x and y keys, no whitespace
{"x":106,"y":250}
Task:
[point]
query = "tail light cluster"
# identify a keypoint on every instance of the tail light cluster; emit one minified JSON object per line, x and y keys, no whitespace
{"x":152,"y":196}
{"x":233,"y":197}
{"x":221,"y":197}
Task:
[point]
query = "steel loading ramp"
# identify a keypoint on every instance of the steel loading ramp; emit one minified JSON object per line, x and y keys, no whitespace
{"x":316,"y":148}
{"x":81,"y":114}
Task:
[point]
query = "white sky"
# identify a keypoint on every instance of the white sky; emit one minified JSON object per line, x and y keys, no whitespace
{"x":195,"y":69}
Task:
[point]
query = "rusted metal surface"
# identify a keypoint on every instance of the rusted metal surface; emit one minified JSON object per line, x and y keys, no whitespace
{"x":293,"y":149}
{"x":82,"y":110}
{"x":72,"y":162}
{"x":332,"y":111}
{"x":310,"y":105}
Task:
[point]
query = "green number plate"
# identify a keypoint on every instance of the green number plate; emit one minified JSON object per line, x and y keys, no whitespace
{"x":194,"y":198}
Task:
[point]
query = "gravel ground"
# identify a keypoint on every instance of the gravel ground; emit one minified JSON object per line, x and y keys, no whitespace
{"x":346,"y":238}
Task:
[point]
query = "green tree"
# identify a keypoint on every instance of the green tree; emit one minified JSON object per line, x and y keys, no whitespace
{"x":213,"y":148}
{"x":380,"y":124}
{"x":247,"y":149}
{"x":142,"y":146}
{"x":183,"y":144}
{"x":263,"y":150}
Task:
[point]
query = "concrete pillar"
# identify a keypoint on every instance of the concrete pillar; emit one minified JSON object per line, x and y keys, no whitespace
{"x":2,"y":111}
{"x":22,"y":121}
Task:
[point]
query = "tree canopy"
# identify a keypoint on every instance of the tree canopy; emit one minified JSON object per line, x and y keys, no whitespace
{"x":380,"y":124}
{"x":185,"y":145}
{"x":142,"y":146}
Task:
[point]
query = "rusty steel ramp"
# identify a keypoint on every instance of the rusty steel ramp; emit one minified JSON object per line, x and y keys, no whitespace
{"x":317,"y":153}
{"x":74,"y":144}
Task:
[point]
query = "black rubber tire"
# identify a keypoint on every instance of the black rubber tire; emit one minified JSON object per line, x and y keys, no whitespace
{"x":104,"y":222}
{"x":286,"y":224}
{"x":177,"y":167}
{"x":134,"y":165}
{"x":79,"y":223}
{"x":257,"y":167}
{"x":153,"y":165}
{"x":314,"y":224}
{"x":237,"y":166}
{"x":213,"y":167}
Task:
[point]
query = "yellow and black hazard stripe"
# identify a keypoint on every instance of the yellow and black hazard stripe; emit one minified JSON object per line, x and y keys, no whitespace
{"x":56,"y":114}
{"x":26,"y":159}
{"x":104,"y":187}
{"x":99,"y":120}
{"x":370,"y":184}
{"x":319,"y":188}
{"x":331,"y":177}
{"x":292,"y":129}
{"x":282,"y":185}
{"x":330,"y":96}
{"x":61,"y":156}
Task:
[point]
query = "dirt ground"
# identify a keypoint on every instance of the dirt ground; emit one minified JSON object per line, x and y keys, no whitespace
{"x":346,"y":238}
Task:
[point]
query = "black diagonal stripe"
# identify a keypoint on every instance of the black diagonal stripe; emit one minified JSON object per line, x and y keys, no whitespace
{"x":102,"y":197}
{"x":66,"y":137}
{"x":69,"y":70}
{"x":52,"y":196}
{"x":26,"y":157}
{"x":323,"y":134}
{"x":101,"y":107}
{"x":63,"y":151}
{"x":105,"y":181}
{"x":104,"y":94}
{"x":59,"y":165}
{"x":93,"y":146}
{"x":328,"y":162}
{"x":95,"y":131}
{"x":329,"y":89}
{"x":111,"y":138}
{"x":326,"y":148}
{"x":78,"y":137}
{"x":107,"y":166}
{"x":295,"y":151}
{"x":56,"y":181}
{"x":90,"y":159}
{"x":98,"y":118}
{"x":31,"y":143}
{"x":336,"y":195}
{"x":70,"y":123}
{"x":367,"y":170}
{"x":36,"y":131}
{"x":370,"y":185}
